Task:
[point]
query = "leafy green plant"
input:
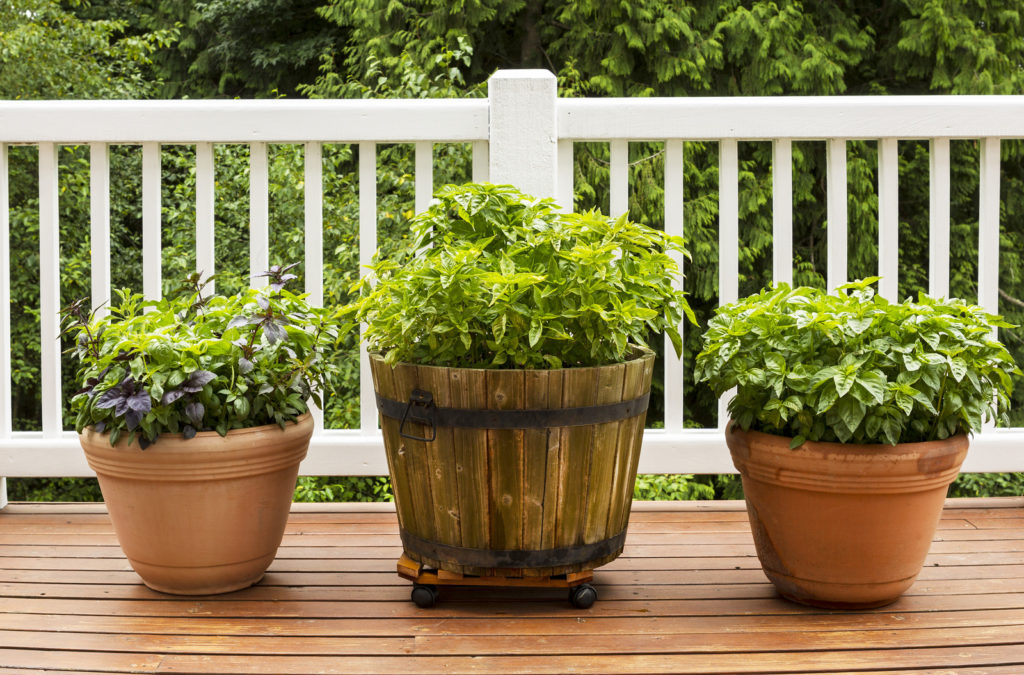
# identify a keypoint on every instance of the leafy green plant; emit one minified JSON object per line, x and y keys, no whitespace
{"x":343,"y":489}
{"x":494,"y":278}
{"x":192,"y":363}
{"x":687,"y":487}
{"x":988,"y":485}
{"x":681,"y":487}
{"x":853,"y":367}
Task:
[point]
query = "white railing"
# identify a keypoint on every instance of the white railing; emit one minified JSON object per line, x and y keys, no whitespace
{"x":522,"y":134}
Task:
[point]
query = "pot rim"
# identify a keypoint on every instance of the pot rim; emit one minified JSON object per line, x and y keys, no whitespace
{"x":639,"y":353}
{"x":837,"y":446}
{"x":91,"y":430}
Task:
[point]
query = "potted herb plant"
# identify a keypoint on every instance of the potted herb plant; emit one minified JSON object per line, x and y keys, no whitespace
{"x":849,"y":422}
{"x":512,"y":377}
{"x":193,"y":414}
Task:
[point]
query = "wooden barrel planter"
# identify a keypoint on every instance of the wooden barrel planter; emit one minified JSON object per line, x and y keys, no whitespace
{"x":513,"y":472}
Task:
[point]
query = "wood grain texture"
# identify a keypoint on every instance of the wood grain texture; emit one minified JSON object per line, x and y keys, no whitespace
{"x":440,"y":457}
{"x":419,"y":488}
{"x":531,"y":489}
{"x":679,"y":601}
{"x":469,"y":390}
{"x":398,"y":464}
{"x":506,"y":391}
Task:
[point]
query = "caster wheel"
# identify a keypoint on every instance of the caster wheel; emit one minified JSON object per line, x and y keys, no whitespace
{"x":583,"y":596}
{"x":424,"y":596}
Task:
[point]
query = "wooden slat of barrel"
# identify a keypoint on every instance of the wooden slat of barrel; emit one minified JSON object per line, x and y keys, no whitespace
{"x":506,"y":391}
{"x":535,"y":460}
{"x":602,"y":461}
{"x":637,"y":380}
{"x":579,"y":389}
{"x":468,"y":389}
{"x":441,"y":471}
{"x":402,"y":482}
{"x":550,"y":439}
{"x":415,"y":455}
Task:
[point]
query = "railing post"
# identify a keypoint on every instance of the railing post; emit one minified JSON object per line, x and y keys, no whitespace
{"x":524,"y":131}
{"x":6,"y":421}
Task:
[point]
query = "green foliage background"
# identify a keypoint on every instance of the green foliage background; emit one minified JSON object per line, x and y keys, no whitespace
{"x":438,"y":48}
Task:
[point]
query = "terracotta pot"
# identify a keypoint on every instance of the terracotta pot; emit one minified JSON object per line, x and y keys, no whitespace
{"x":842,"y":525}
{"x":205,"y":515}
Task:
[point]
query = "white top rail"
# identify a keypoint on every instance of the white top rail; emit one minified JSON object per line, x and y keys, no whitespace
{"x":793,"y":117}
{"x":271,"y":121}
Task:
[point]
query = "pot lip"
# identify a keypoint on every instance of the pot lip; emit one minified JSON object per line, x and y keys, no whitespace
{"x":835,"y":446}
{"x":89,"y":430}
{"x":639,"y":353}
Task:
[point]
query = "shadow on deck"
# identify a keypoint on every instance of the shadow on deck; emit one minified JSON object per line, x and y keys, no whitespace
{"x":687,"y":596}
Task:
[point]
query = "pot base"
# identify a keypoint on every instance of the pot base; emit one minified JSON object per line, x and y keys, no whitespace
{"x":203,"y":580}
{"x":838,"y":596}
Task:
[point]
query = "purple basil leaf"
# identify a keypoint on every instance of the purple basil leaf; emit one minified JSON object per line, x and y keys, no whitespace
{"x":140,"y":402}
{"x":188,"y":432}
{"x":109,"y":398}
{"x":145,"y":442}
{"x":244,"y":366}
{"x":122,"y":408}
{"x":277,"y":286}
{"x":238,"y":321}
{"x":263,"y":302}
{"x":90,"y":385}
{"x":171,"y":396}
{"x":100,"y":426}
{"x":132,"y":419}
{"x":273,"y":332}
{"x":196,"y":380}
{"x":194,"y":411}
{"x":288,"y":277}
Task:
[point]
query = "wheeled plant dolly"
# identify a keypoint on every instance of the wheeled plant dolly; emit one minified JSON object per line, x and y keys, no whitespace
{"x":426,"y":581}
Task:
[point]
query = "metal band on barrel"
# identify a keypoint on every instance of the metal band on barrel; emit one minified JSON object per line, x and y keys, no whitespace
{"x":516,"y":419}
{"x":480,"y":557}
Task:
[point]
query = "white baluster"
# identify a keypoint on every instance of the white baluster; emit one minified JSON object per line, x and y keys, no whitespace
{"x":782,"y":211}
{"x":367,"y":247}
{"x":938,"y":218}
{"x":674,"y":375}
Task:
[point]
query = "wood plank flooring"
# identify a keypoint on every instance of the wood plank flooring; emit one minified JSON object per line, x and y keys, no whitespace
{"x":688,"y":596}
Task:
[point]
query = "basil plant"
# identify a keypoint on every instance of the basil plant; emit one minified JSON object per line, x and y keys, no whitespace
{"x":194,"y":362}
{"x":494,"y":278}
{"x":854,"y":367}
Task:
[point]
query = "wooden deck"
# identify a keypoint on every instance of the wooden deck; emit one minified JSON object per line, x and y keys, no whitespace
{"x":687,"y":596}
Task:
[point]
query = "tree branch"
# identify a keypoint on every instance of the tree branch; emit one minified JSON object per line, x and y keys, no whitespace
{"x":1010,"y":299}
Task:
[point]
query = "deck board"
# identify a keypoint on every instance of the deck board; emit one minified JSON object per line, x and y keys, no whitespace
{"x":686,"y":596}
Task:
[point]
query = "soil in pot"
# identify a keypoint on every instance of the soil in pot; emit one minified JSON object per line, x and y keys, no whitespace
{"x":843,"y":525}
{"x":205,"y":515}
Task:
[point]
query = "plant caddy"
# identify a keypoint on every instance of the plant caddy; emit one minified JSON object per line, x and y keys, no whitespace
{"x":508,"y":347}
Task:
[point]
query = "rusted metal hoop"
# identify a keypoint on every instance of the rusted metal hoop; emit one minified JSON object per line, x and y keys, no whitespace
{"x":517,"y":559}
{"x":421,"y":410}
